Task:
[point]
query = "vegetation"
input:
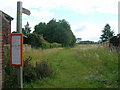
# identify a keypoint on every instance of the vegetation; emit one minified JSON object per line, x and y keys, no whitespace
{"x":51,"y":35}
{"x":87,"y":42}
{"x":10,"y":71}
{"x":56,"y":32}
{"x":37,"y":41}
{"x":107,"y":33}
{"x":26,"y":30}
{"x":33,"y":39}
{"x":78,"y":40}
{"x":84,"y":66}
{"x":30,"y":72}
{"x":79,"y":67}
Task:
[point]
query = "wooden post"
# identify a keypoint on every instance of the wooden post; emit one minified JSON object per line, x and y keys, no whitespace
{"x":20,"y":76}
{"x":20,"y":10}
{"x":19,"y":30}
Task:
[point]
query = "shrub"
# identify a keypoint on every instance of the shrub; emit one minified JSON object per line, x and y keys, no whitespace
{"x":45,"y":45}
{"x":33,"y":40}
{"x":55,"y":45}
{"x":43,"y":69}
{"x":30,"y":72}
{"x":10,"y":73}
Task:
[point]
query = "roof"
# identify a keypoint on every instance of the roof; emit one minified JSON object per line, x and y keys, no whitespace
{"x":7,"y":16}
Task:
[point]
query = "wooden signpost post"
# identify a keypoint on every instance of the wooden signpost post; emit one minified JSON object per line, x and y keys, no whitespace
{"x":17,"y":44}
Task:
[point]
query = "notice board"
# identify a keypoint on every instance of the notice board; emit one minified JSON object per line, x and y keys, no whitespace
{"x":16,"y":49}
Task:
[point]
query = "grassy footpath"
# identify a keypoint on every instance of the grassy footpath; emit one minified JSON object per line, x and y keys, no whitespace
{"x":79,"y":67}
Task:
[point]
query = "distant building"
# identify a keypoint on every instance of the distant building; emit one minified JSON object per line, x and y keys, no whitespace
{"x":6,"y":26}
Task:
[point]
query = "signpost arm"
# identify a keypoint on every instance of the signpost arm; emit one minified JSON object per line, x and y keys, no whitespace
{"x":19,"y":30}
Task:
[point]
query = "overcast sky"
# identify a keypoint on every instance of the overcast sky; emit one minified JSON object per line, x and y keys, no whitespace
{"x":86,"y":17}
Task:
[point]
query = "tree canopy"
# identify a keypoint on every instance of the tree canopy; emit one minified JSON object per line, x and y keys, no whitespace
{"x":56,"y":32}
{"x":106,"y":33}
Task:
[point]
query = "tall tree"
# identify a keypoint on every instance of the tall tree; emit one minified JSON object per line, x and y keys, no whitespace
{"x":26,"y":29}
{"x":106,"y":33}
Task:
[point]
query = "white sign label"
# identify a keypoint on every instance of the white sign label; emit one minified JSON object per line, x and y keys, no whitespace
{"x":16,"y":49}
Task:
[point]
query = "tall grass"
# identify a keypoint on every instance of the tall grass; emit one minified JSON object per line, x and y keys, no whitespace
{"x":101,"y":63}
{"x":39,"y":55}
{"x":85,"y":66}
{"x":37,"y":68}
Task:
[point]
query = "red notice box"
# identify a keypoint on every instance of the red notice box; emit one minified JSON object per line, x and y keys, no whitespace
{"x":16,"y":49}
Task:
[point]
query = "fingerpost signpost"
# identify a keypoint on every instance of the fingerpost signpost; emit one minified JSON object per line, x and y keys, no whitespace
{"x":16,"y":44}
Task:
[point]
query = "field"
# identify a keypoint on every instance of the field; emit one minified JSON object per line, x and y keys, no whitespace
{"x":84,"y":66}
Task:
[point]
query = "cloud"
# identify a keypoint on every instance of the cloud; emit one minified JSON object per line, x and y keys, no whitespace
{"x":81,"y":28}
{"x":80,"y":6}
{"x":41,"y":12}
{"x":37,"y":16}
{"x":92,"y":31}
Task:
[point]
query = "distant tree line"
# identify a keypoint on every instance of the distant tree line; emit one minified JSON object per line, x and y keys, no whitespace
{"x":87,"y":42}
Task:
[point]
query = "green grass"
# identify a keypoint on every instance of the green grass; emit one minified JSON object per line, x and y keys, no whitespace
{"x":79,"y":67}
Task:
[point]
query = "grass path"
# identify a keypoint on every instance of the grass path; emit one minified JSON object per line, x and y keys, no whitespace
{"x":72,"y":70}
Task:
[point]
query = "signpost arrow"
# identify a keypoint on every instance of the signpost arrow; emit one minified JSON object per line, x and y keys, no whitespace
{"x":26,"y":11}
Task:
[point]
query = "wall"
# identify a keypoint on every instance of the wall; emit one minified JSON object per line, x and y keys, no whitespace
{"x":6,"y":23}
{"x":5,"y":30}
{"x":1,"y":52}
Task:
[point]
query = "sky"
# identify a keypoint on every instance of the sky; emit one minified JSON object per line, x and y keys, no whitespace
{"x":87,"y":18}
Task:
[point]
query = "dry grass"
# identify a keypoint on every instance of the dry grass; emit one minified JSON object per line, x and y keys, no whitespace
{"x":39,"y":55}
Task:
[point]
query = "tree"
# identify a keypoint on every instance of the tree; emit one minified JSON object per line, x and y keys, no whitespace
{"x":14,"y":32}
{"x":40,"y":28}
{"x":33,"y":39}
{"x":26,"y":29}
{"x":56,"y":32}
{"x":107,"y":33}
{"x":78,"y":40}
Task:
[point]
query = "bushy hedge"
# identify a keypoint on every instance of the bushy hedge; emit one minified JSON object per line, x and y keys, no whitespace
{"x":37,"y":41}
{"x":55,"y":45}
{"x":33,"y":40}
{"x":46,"y":45}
